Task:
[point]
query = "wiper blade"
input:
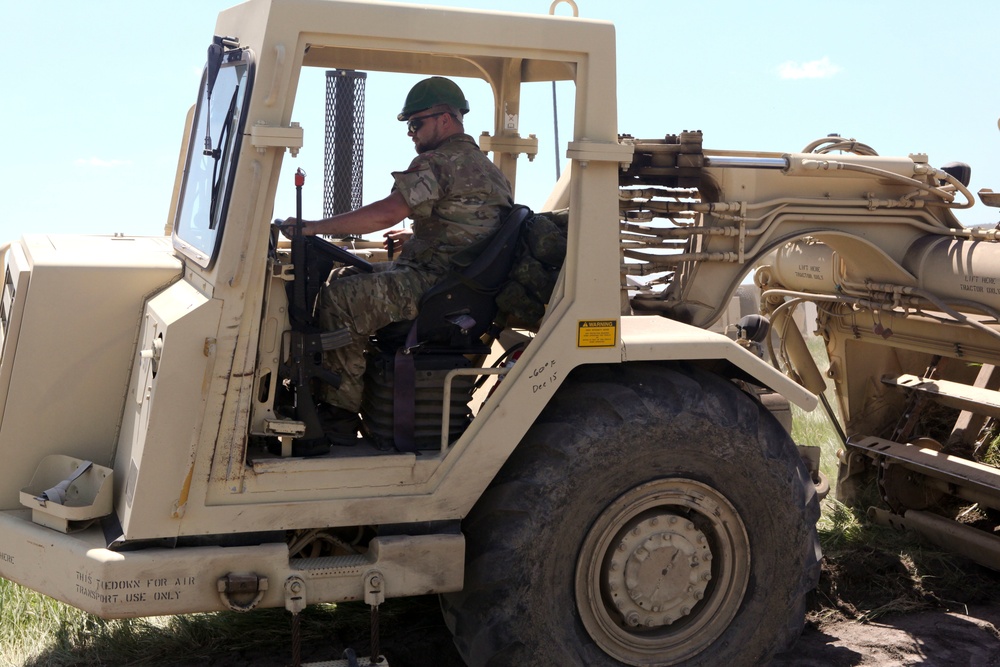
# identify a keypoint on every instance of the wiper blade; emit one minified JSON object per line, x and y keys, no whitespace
{"x":216,"y":53}
{"x":216,"y":154}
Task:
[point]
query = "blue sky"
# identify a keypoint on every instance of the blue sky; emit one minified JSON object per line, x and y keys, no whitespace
{"x":94,"y":95}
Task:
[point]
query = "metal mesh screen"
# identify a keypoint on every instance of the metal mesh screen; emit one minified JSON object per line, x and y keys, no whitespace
{"x":344,"y":150}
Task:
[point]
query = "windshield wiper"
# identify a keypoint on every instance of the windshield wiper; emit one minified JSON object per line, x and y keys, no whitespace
{"x":216,"y":154}
{"x":216,"y":53}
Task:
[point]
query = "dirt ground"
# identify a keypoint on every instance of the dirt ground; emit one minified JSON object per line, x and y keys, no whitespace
{"x":874,"y":606}
{"x":940,"y":638}
{"x":877,"y":606}
{"x":962,"y":637}
{"x":967,"y":638}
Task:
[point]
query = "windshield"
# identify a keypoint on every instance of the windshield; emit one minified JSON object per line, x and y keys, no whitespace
{"x":211,"y":158}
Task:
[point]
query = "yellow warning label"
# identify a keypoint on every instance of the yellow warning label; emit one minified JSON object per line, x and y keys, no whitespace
{"x":597,"y":333}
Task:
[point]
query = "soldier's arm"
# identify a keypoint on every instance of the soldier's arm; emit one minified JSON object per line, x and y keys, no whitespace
{"x":365,"y":220}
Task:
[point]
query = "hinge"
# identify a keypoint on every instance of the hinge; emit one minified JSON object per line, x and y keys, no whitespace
{"x":264,"y":136}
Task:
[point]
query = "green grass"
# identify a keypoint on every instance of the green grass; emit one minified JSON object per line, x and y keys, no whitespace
{"x":815,"y":428}
{"x":990,"y":453}
{"x":37,"y":631}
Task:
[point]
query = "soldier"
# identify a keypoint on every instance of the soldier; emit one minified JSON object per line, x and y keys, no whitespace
{"x":455,"y":196}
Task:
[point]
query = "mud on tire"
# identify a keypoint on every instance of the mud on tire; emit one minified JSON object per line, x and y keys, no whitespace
{"x":651,"y":516}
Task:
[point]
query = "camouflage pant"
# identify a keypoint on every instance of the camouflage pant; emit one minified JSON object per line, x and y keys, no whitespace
{"x":363,"y":303}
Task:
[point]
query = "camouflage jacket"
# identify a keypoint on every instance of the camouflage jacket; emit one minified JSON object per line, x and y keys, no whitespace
{"x":457,"y":196}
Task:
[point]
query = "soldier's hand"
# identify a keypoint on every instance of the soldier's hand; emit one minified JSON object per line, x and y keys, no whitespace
{"x":398,"y":238}
{"x":287,"y":226}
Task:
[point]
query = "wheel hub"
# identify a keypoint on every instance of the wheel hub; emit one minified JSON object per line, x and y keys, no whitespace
{"x":662,"y":572}
{"x":659,"y":571}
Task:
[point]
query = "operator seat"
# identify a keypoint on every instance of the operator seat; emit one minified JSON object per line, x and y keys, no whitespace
{"x":407,"y":357}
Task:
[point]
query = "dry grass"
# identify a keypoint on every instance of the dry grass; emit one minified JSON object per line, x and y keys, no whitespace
{"x":871,"y":571}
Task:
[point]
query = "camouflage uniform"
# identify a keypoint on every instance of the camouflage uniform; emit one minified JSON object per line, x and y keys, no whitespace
{"x":457,"y":196}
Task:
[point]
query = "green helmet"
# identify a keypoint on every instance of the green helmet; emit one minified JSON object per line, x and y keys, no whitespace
{"x":431,"y":92}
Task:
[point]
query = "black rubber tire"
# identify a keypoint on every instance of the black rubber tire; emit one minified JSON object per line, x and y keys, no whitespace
{"x":610,"y":435}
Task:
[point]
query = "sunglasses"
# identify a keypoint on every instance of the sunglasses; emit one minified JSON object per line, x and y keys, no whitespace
{"x":414,"y":124}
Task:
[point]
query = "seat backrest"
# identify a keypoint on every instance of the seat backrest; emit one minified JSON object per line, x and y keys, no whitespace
{"x":460,"y":308}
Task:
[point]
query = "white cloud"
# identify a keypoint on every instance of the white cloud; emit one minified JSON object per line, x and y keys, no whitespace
{"x":814,"y":69}
{"x":98,"y":162}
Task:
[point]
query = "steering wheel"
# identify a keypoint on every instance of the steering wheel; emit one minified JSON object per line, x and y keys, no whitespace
{"x":337,"y":254}
{"x":331,"y":251}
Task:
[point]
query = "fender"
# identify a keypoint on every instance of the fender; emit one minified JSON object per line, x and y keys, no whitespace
{"x":650,"y":338}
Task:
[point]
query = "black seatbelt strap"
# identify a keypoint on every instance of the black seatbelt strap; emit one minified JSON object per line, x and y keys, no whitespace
{"x":404,"y":395}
